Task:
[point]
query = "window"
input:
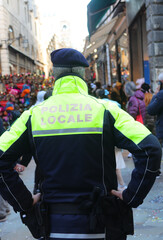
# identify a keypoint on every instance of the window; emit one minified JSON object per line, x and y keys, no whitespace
{"x":20,"y":39}
{"x":64,"y":28}
{"x":25,"y":14}
{"x":123,"y":58}
{"x":10,"y":33}
{"x":35,"y":28}
{"x":28,"y":13}
{"x":113,"y":63}
{"x":30,"y":22}
{"x":37,"y":55}
{"x":32,"y":52}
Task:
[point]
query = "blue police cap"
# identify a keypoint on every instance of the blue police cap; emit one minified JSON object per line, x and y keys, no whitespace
{"x":68,"y":57}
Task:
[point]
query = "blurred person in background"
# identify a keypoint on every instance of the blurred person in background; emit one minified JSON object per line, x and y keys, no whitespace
{"x":155,"y":107}
{"x":97,"y":88}
{"x":4,"y":206}
{"x":26,"y":93}
{"x":136,"y":104}
{"x":129,"y":89}
{"x":149,"y":119}
{"x":26,"y":158}
{"x":116,"y":93}
{"x":109,"y":88}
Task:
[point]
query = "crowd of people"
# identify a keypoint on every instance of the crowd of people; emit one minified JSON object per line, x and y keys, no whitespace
{"x":140,"y":102}
{"x":135,"y":98}
{"x":19,"y":93}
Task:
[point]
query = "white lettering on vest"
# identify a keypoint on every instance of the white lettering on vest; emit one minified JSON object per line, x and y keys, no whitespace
{"x":60,"y":108}
{"x":74,"y":107}
{"x":81,"y":107}
{"x":87,"y":107}
{"x":53,"y":109}
{"x":60,"y":120}
{"x":71,"y":119}
{"x":51,"y":120}
{"x":78,"y":118}
{"x":44,"y":109}
{"x":67,"y":107}
{"x":88,"y":117}
{"x":42,"y":122}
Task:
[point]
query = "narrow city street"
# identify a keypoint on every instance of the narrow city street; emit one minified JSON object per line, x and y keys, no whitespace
{"x":148,"y":218}
{"x":74,"y":75}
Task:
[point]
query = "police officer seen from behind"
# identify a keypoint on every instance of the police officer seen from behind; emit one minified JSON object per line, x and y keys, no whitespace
{"x":72,"y":136}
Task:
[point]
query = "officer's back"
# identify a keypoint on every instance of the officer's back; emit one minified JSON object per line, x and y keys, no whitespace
{"x":72,"y":136}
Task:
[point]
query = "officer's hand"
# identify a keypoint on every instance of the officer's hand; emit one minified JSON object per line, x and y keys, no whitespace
{"x":19,"y":168}
{"x":117,"y":193}
{"x":36,"y":198}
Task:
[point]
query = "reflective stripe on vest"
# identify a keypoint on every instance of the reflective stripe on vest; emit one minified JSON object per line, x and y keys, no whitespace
{"x":77,"y":236}
{"x":64,"y":131}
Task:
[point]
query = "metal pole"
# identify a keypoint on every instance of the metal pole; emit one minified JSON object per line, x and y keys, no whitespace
{"x":108,"y":63}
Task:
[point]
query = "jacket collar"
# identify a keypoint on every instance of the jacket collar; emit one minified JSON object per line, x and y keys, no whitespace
{"x":68,"y":74}
{"x":70,"y":84}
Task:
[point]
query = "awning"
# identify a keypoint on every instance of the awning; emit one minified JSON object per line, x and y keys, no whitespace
{"x":100,"y":36}
{"x":104,"y":30}
{"x":95,"y":11}
{"x":94,"y":45}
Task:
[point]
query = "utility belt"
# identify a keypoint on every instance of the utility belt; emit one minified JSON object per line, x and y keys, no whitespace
{"x":86,"y":208}
{"x":37,"y":220}
{"x":115,"y":215}
{"x":112,"y":212}
{"x":118,"y":218}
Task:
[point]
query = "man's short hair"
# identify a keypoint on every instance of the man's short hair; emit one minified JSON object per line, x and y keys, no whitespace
{"x":63,"y":70}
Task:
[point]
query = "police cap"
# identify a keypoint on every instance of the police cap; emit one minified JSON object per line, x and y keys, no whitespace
{"x":68,"y":57}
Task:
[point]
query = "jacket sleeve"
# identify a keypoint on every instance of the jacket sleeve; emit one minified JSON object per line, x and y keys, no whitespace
{"x":2,"y":130}
{"x":137,"y":139}
{"x":26,"y":158}
{"x":13,"y":144}
{"x":156,"y":104}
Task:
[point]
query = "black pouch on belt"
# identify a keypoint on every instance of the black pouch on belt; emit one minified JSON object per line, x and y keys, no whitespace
{"x":36,"y":219}
{"x":118,"y":217}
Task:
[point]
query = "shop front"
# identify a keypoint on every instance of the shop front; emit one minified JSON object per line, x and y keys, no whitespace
{"x":108,"y":45}
{"x":139,"y":57}
{"x":123,"y":57}
{"x":119,"y":53}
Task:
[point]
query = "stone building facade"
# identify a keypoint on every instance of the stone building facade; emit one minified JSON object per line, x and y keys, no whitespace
{"x":20,"y":37}
{"x":145,"y":24}
{"x":155,"y":37}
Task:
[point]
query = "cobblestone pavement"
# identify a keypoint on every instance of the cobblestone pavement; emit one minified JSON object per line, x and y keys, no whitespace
{"x":148,"y":217}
